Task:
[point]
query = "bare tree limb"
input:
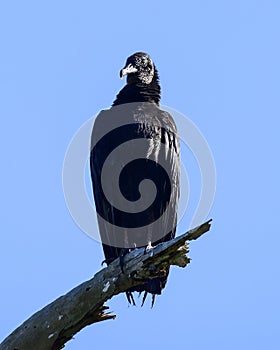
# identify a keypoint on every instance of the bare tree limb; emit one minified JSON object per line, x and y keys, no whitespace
{"x":51,"y":327}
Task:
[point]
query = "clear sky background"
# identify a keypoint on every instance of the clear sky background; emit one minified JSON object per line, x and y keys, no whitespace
{"x":219,"y":65}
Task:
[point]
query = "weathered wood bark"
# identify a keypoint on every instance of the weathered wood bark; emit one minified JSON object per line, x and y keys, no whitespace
{"x":51,"y":327}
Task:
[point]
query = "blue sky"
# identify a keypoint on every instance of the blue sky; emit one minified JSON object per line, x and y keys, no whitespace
{"x":219,"y":65}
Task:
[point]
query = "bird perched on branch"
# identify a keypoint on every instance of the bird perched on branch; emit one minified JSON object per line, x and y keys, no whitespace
{"x":135,"y":170}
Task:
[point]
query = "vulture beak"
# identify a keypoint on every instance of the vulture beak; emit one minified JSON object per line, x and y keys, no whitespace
{"x":127,"y":70}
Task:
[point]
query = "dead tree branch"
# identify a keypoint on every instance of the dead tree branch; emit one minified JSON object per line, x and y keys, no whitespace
{"x":55,"y":324}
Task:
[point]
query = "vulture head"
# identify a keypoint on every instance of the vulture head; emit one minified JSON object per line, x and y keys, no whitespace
{"x":139,"y":67}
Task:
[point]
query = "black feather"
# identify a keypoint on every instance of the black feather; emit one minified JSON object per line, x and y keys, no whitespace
{"x":135,"y":115}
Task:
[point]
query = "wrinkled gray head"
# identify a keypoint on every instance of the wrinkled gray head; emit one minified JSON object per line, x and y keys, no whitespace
{"x":139,"y":67}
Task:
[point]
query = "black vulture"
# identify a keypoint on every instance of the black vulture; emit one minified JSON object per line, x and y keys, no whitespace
{"x":133,"y":213}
